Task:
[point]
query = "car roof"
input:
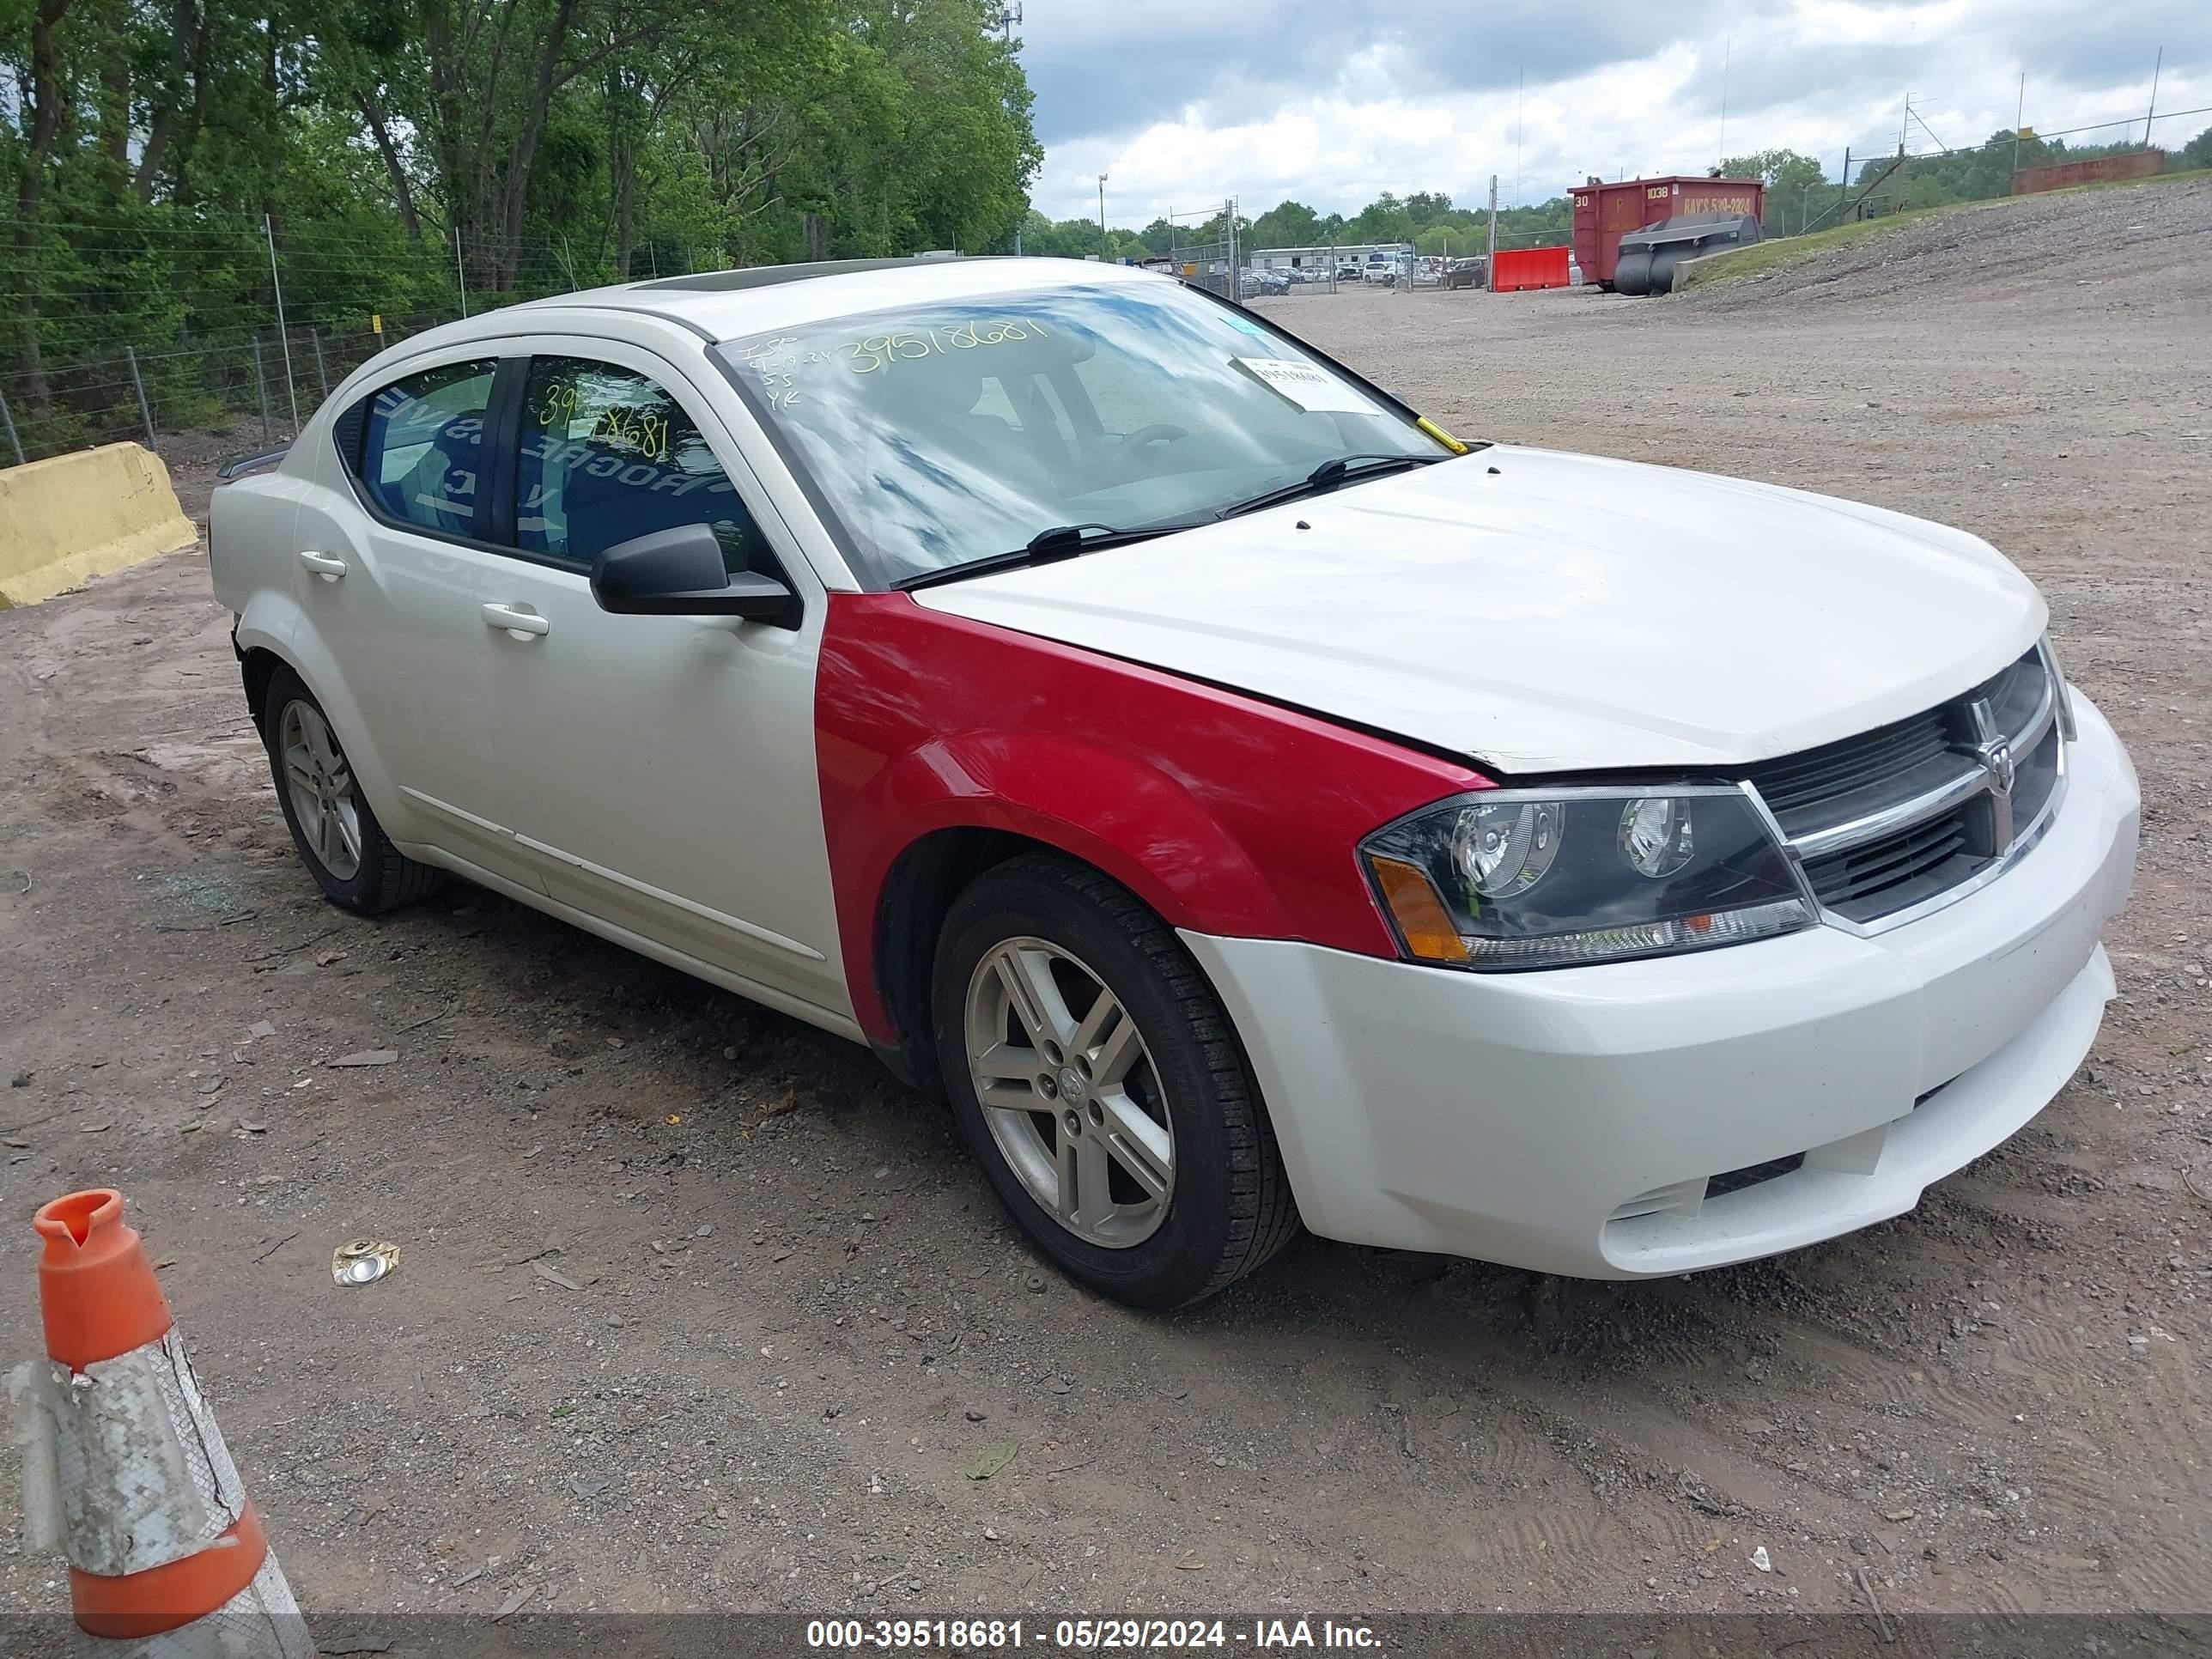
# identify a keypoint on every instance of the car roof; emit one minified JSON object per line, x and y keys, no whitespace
{"x":723,"y":305}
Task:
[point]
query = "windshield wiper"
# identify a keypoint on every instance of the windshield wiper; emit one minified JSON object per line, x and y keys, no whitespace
{"x":1330,"y":474}
{"x":1061,"y":541}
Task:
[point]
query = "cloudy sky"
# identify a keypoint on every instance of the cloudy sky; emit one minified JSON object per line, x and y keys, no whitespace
{"x":1182,"y":102}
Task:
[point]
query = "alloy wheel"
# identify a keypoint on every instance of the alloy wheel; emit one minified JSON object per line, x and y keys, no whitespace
{"x":1070,"y":1093}
{"x":320,"y":785}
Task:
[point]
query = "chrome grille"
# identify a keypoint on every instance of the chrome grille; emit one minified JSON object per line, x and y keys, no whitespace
{"x":1803,"y":787}
{"x":1894,"y":871}
{"x":1895,"y":817}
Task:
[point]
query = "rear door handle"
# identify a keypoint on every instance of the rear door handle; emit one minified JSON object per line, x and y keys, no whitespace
{"x":515,"y":620}
{"x":324,"y":565}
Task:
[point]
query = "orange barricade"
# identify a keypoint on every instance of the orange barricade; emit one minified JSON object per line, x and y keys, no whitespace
{"x":1512,"y":269}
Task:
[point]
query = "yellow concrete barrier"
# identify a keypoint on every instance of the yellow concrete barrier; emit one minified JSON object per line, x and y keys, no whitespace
{"x":84,"y":515}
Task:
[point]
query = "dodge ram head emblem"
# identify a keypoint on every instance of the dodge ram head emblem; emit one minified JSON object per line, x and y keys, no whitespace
{"x":1996,"y":757}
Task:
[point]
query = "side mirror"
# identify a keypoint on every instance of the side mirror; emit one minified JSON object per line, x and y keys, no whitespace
{"x":679,"y":572}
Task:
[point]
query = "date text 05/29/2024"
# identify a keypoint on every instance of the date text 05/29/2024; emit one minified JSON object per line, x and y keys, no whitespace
{"x":1086,"y":1635}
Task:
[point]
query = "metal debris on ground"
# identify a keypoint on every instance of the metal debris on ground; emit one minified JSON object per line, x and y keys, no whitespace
{"x":363,"y":1260}
{"x":365,"y":1057}
{"x":515,"y":1598}
{"x":546,"y":1270}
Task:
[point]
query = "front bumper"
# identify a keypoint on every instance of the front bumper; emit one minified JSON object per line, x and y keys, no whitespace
{"x":1573,"y":1121}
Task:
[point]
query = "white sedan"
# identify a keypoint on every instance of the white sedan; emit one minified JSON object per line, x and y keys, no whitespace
{"x":1248,"y":803}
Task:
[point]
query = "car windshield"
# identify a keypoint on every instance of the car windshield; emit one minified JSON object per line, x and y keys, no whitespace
{"x":941,"y":434}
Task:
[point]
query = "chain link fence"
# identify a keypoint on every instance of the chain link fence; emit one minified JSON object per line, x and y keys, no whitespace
{"x":258,"y":386}
{"x":1280,"y":273}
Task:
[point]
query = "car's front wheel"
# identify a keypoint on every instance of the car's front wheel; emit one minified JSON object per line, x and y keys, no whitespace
{"x":1097,"y":1081}
{"x":340,"y":842}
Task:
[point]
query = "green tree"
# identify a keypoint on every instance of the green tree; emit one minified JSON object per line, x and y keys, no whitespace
{"x":1287,"y":224}
{"x":561,"y":142}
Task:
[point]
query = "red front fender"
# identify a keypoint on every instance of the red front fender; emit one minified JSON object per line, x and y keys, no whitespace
{"x":1226,"y":815}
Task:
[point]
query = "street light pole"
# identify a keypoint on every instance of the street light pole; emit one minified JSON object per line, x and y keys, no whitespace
{"x":1102,"y":216}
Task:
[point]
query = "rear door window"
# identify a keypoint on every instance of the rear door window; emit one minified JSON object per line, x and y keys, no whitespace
{"x":422,"y":446}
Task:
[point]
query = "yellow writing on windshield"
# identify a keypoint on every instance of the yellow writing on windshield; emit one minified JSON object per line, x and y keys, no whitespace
{"x":777,"y":362}
{"x":880,"y":351}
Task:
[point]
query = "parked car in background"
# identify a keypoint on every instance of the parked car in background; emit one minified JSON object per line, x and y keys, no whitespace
{"x":1261,"y":281}
{"x":1349,"y":271}
{"x":1245,"y":802}
{"x":1466,"y":273}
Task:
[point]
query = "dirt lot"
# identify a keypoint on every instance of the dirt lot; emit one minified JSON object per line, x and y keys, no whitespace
{"x":697,"y":1309}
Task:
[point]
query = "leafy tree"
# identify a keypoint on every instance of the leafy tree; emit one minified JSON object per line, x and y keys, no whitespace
{"x":552,"y":144}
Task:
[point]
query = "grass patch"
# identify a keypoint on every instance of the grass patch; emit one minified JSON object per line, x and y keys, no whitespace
{"x":1763,"y":257}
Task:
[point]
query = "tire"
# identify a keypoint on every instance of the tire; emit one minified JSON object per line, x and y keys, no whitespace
{"x":339,"y":839}
{"x":1227,"y":1205}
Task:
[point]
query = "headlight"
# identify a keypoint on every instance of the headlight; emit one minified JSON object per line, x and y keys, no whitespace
{"x":1512,"y":879}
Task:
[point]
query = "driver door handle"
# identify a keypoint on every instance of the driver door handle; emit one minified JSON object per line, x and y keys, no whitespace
{"x":323,"y":565}
{"x":516,"y":622}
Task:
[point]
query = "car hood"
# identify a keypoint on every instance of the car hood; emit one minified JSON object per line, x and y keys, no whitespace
{"x":1544,"y":612}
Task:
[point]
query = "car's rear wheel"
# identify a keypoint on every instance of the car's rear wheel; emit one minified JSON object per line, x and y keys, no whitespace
{"x":1097,"y":1081}
{"x":339,"y":839}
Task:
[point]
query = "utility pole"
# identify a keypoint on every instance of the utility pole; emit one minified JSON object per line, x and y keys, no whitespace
{"x":1102,"y":216}
{"x":2019,"y":120}
{"x":460,"y":280}
{"x":1010,"y":19}
{"x":1843,"y":189}
{"x":1727,"y":44}
{"x":2152,"y":114}
{"x":1489,"y":264}
{"x":1520,"y":105}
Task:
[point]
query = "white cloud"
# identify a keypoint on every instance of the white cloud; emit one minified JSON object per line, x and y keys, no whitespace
{"x":1183,"y":104}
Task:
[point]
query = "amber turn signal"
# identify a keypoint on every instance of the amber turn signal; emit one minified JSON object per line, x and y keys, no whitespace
{"x":1419,"y":913}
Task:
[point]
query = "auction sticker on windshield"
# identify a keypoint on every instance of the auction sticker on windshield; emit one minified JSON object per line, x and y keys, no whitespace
{"x":1307,"y":386}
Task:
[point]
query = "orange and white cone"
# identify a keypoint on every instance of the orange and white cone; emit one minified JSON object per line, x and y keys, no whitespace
{"x":124,"y":1469}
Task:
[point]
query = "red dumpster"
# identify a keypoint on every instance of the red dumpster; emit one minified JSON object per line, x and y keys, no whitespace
{"x":1512,"y":269}
{"x":1605,"y":213}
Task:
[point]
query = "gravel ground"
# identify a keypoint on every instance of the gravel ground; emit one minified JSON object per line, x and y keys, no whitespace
{"x":696,"y":1309}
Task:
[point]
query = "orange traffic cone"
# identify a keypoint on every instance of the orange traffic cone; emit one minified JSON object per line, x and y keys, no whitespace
{"x":124,"y":1468}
